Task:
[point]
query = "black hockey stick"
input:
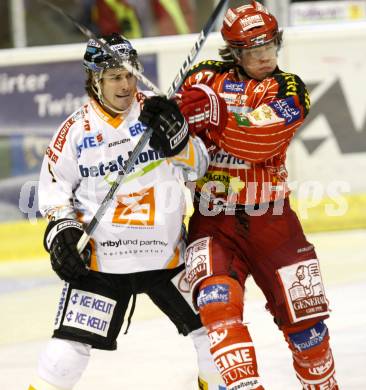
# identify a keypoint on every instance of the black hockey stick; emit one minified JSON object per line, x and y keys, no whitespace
{"x":122,"y":174}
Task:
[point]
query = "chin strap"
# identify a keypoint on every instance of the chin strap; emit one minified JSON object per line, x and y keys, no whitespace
{"x":97,"y":78}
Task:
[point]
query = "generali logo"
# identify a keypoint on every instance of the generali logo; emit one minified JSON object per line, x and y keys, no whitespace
{"x":307,"y":292}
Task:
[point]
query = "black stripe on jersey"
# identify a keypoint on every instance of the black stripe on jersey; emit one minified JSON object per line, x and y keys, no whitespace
{"x":216,"y":66}
{"x":291,"y":85}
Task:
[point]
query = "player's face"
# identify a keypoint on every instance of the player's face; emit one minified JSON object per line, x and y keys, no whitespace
{"x":118,"y":88}
{"x":259,"y":62}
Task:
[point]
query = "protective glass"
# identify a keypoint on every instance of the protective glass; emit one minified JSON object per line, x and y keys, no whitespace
{"x":267,"y":51}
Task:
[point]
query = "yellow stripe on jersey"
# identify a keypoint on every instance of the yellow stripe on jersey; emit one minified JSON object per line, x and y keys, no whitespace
{"x":174,"y":262}
{"x":93,"y":257}
{"x":115,"y":122}
{"x":187,"y":155}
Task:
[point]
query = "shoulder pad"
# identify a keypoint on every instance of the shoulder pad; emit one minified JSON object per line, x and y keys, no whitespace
{"x":216,"y":66}
{"x":77,"y":115}
{"x":290,"y":84}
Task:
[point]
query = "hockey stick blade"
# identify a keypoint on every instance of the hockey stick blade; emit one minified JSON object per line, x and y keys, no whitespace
{"x":89,"y":34}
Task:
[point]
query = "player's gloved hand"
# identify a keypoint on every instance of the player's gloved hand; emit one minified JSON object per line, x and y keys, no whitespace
{"x":60,"y":240}
{"x":203,"y":109}
{"x":170,"y":134}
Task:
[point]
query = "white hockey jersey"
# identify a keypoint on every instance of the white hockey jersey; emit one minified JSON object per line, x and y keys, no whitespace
{"x":142,"y":228}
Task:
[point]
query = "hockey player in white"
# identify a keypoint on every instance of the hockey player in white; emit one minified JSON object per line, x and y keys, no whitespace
{"x":139,"y":244}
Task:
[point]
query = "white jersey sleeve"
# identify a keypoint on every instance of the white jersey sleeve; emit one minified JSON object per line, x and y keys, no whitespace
{"x":193,"y":159}
{"x":59,"y":175}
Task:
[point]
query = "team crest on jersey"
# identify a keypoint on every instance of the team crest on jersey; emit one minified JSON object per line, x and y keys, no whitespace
{"x":259,"y":88}
{"x":304,"y":290}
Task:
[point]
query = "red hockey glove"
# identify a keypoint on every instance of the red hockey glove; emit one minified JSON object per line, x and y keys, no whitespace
{"x":203,"y":109}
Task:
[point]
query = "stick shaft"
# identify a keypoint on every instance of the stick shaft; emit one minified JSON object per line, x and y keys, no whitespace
{"x":192,"y":55}
{"x":147,"y":134}
{"x":89,"y":34}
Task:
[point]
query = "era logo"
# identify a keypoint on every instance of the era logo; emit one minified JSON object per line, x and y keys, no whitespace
{"x":136,"y":209}
{"x":137,"y":129}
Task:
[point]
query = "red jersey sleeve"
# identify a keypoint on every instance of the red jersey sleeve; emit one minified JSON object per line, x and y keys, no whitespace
{"x":278,"y":106}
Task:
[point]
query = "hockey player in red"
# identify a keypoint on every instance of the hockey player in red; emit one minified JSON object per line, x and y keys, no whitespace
{"x":247,"y":110}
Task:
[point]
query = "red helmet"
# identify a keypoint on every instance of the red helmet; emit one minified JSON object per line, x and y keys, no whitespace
{"x":249,"y":26}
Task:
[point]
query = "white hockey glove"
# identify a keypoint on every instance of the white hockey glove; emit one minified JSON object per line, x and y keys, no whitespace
{"x":60,"y":240}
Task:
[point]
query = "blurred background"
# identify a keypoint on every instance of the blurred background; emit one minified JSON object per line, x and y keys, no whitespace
{"x":42,"y":82}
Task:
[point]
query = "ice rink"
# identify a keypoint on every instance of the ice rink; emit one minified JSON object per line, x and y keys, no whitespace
{"x":153,"y":356}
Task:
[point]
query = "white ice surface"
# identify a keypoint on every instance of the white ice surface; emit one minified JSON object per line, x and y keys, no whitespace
{"x":153,"y":356}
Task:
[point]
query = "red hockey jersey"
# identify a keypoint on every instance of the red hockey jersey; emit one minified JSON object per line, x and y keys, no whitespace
{"x":248,"y":163}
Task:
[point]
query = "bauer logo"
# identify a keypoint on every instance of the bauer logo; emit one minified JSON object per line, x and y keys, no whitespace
{"x":233,"y":86}
{"x":90,"y":312}
{"x":177,"y":139}
{"x":61,"y":306}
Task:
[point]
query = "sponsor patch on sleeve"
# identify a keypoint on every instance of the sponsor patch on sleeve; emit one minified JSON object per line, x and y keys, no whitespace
{"x":263,"y":115}
{"x":62,"y":134}
{"x":90,"y":312}
{"x":286,"y":109}
{"x":304,"y":291}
